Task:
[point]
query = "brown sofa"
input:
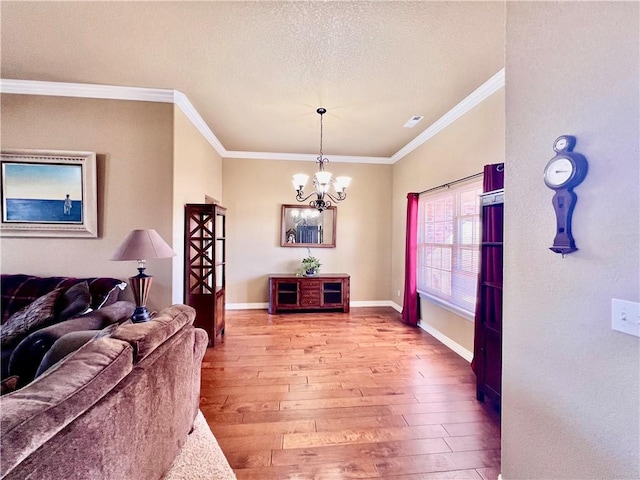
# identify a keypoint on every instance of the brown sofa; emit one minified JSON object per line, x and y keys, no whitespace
{"x":21,"y":353}
{"x":27,"y":359}
{"x":119,"y":407}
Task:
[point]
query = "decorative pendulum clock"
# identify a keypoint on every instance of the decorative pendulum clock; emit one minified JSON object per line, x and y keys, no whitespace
{"x":205,"y":266}
{"x":562,"y":174}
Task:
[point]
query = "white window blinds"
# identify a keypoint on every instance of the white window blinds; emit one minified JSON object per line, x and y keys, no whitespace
{"x":449,"y":246}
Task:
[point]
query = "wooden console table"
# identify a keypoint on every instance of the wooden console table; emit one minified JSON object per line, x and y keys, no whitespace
{"x":328,"y":291}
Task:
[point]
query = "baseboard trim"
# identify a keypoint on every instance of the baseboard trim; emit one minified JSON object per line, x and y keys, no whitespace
{"x":246,"y":306}
{"x":395,"y":306}
{"x":365,"y":303}
{"x":442,"y":338}
{"x":370,"y":303}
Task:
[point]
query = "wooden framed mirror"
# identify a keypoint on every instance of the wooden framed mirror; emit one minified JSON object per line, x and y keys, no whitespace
{"x":303,"y":226}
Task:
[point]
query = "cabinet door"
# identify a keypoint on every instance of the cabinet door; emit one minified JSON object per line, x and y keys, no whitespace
{"x":219,"y":316}
{"x":287,"y":294}
{"x":332,"y":293}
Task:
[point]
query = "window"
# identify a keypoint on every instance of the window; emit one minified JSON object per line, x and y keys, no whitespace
{"x":449,"y":246}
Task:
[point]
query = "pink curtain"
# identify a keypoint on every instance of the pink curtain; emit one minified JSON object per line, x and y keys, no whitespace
{"x":410,"y":313}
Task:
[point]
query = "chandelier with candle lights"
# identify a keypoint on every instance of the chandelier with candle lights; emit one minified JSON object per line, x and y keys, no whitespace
{"x":322,"y":181}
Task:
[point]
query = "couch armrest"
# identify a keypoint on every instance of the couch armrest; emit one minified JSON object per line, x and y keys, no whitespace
{"x":145,"y":337}
{"x":36,"y":414}
{"x":28,"y":354}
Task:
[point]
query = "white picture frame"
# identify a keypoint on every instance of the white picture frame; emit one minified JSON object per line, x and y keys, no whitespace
{"x":48,"y":193}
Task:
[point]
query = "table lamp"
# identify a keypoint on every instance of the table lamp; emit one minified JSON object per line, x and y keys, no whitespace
{"x":142,"y":245}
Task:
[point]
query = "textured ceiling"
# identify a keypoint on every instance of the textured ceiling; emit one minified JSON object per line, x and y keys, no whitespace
{"x":257,"y":71}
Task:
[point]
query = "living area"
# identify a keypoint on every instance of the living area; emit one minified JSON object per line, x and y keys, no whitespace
{"x":155,"y":152}
{"x":89,"y":394}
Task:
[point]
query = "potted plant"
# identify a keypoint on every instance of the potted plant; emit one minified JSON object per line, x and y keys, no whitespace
{"x":309,"y":266}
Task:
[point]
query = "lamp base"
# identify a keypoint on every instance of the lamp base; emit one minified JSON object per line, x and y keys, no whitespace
{"x":141,"y":314}
{"x":140,"y":286}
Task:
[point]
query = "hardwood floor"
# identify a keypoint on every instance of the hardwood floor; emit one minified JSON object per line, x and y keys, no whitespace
{"x":343,"y":396}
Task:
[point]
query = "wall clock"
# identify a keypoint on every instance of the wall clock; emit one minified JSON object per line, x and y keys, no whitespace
{"x":563,"y":173}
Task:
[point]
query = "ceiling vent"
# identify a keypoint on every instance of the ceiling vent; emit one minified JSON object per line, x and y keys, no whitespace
{"x":413,"y":121}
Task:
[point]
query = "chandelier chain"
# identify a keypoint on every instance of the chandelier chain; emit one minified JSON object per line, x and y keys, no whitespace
{"x":321,"y":158}
{"x":322,"y":180}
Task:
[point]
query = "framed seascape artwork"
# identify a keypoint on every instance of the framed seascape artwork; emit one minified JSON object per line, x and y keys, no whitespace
{"x":48,"y":194}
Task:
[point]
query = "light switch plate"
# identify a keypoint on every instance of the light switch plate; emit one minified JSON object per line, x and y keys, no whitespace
{"x":625,"y":316}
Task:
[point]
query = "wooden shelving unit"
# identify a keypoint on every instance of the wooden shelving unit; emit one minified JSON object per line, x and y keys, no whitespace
{"x":489,"y":310}
{"x":205,"y":266}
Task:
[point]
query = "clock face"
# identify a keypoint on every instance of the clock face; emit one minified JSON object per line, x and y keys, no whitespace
{"x":558,"y":172}
{"x":561,"y":144}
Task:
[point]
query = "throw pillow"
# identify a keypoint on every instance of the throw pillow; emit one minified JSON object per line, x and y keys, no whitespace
{"x":8,"y":385}
{"x":73,"y":302}
{"x":69,"y":343}
{"x":64,"y":346}
{"x":18,"y":290}
{"x":24,"y":321}
{"x":104,"y":291}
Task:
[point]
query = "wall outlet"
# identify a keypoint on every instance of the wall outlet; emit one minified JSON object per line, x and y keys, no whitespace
{"x":625,"y":316}
{"x":398,"y":294}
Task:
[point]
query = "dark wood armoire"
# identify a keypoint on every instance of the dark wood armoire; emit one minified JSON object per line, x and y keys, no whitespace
{"x":205,"y":266}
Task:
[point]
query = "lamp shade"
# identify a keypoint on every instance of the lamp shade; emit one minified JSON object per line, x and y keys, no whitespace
{"x":143,"y":245}
{"x":300,"y":180}
{"x":343,"y":182}
{"x":323,"y":177}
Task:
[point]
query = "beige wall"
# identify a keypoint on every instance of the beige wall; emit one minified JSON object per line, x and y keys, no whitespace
{"x":254,"y":191}
{"x":197,"y":172}
{"x":134,"y":146}
{"x":571,"y":385}
{"x":461,"y":149}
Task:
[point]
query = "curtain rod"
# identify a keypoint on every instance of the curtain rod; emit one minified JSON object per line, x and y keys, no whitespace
{"x":447,"y":185}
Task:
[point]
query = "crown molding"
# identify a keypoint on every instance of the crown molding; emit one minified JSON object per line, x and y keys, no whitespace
{"x":488,"y":88}
{"x":181,"y":100}
{"x":114,"y":92}
{"x":306,"y":157}
{"x":85,"y":90}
